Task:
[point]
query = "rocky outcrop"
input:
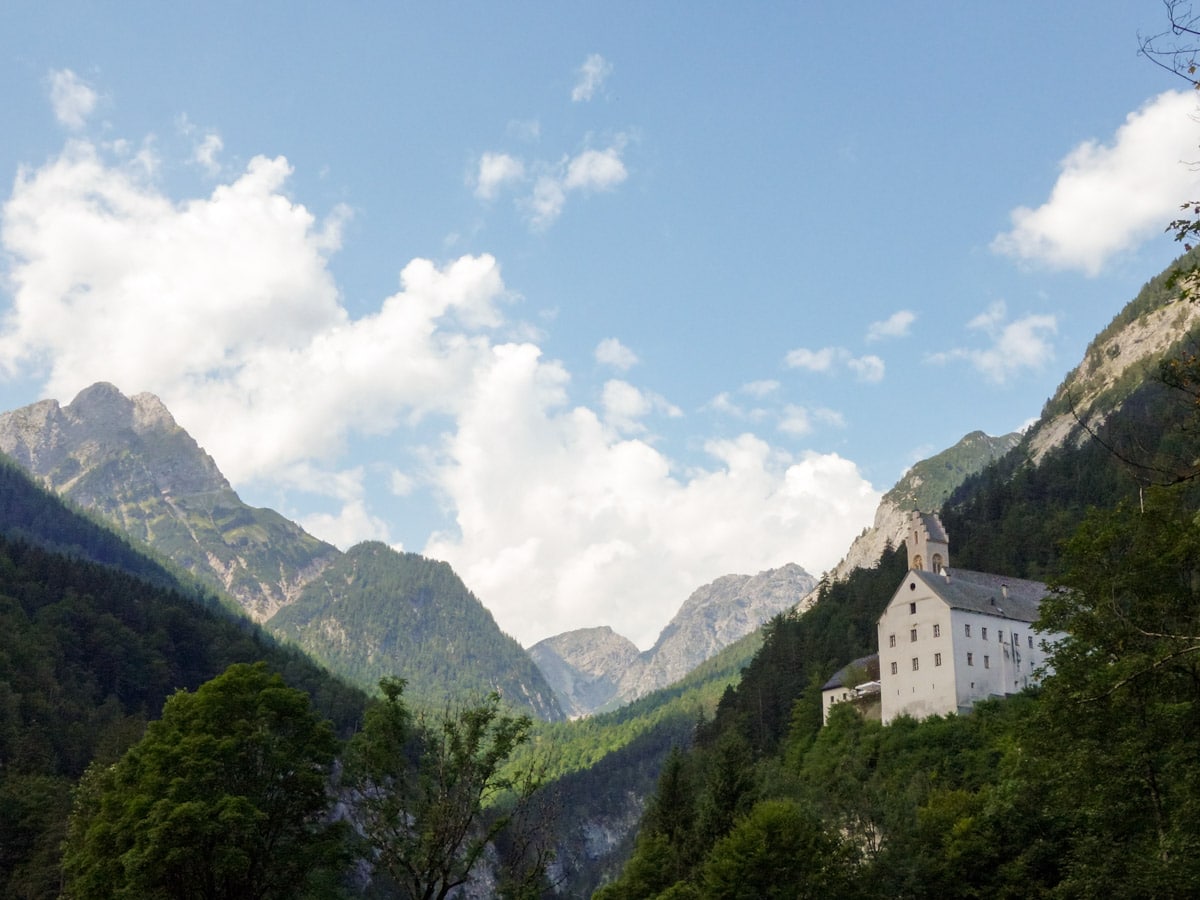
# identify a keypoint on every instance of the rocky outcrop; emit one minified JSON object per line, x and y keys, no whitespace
{"x":584,"y":667}
{"x":925,"y":486}
{"x":594,"y":668}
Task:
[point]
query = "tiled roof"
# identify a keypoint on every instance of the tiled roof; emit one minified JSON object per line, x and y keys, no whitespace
{"x":985,"y":593}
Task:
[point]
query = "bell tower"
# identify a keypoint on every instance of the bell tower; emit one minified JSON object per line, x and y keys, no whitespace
{"x":928,"y":543}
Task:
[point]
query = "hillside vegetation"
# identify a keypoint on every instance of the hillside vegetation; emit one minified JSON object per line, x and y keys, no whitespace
{"x":1084,"y":788}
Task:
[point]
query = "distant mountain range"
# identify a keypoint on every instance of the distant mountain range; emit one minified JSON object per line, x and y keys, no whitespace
{"x":594,"y":669}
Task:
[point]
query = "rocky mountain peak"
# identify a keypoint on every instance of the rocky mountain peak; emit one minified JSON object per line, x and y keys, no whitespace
{"x":595,"y":668}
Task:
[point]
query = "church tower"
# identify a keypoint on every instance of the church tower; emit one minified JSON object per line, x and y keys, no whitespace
{"x":928,"y":543}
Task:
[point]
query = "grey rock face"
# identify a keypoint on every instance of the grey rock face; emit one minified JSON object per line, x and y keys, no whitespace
{"x":594,"y":668}
{"x":584,"y":666}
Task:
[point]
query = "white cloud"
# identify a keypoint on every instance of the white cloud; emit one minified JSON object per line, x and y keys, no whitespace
{"x":1111,"y":197}
{"x":351,"y":525}
{"x":1024,"y":344}
{"x":895,"y":325}
{"x":760,"y":388}
{"x":224,"y":306}
{"x":595,"y":170}
{"x":611,"y":352}
{"x":868,"y":368}
{"x":588,"y":171}
{"x":625,"y":406}
{"x":592,"y":74}
{"x":206,"y":153}
{"x":813,"y":360}
{"x":799,"y":420}
{"x":72,"y":98}
{"x":496,"y":171}
{"x":562,"y":524}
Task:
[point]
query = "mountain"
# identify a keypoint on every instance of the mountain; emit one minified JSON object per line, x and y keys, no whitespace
{"x":584,"y":667}
{"x":925,"y":486}
{"x":128,"y":461}
{"x":377,"y":612}
{"x":94,"y":637}
{"x":593,"y":669}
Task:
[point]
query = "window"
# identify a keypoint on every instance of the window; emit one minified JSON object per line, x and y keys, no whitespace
{"x":937,"y":659}
{"x":970,"y":659}
{"x":1000,"y":635}
{"x":984,"y":630}
{"x":967,"y":629}
{"x":937,"y":630}
{"x":895,"y":668}
{"x":1016,"y":638}
{"x":987,"y":663}
{"x":1031,"y":642}
{"x":916,"y":663}
{"x":912,"y":608}
{"x":891,"y":640}
{"x":912,"y":634}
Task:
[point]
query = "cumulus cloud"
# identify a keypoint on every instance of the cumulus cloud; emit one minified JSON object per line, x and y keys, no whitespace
{"x":868,"y":368}
{"x":894,"y":326}
{"x":496,"y":171}
{"x":1016,"y":346}
{"x":562,"y":514}
{"x":224,"y":306}
{"x":625,"y":406}
{"x":586,"y":172}
{"x":611,"y":352}
{"x":592,"y":75}
{"x":1110,"y":197}
{"x":72,"y":99}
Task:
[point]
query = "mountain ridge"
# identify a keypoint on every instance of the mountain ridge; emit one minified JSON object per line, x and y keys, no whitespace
{"x":127,"y":460}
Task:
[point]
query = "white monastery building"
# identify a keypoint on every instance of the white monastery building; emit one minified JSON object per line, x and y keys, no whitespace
{"x":950,"y":637}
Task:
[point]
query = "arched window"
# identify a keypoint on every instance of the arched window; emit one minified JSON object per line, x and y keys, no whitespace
{"x":918,"y":562}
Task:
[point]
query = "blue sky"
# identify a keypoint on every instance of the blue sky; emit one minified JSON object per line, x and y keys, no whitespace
{"x":596,"y":301}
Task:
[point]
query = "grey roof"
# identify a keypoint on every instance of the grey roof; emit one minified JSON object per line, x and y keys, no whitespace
{"x":869,"y":663}
{"x":984,"y":593}
{"x":934,"y":528}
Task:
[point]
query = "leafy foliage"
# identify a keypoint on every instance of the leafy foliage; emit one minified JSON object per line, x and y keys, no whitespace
{"x":224,"y":797}
{"x":427,"y":793}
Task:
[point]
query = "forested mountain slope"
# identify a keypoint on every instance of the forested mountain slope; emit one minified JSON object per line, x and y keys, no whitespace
{"x":93,"y":639}
{"x":129,"y":462}
{"x":377,"y":613}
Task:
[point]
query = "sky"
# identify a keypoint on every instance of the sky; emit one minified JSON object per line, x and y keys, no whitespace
{"x":595,"y":301}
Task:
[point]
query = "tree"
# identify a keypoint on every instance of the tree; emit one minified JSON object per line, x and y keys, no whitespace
{"x":224,"y":797}
{"x":1124,"y":700}
{"x":779,"y":850}
{"x":1175,"y":48}
{"x":428,"y":794}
